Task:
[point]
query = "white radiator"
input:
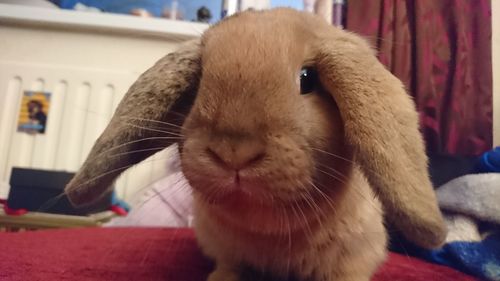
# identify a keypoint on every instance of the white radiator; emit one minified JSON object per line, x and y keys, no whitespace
{"x":82,"y":102}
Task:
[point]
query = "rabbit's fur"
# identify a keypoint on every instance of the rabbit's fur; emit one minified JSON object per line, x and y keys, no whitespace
{"x":284,"y":183}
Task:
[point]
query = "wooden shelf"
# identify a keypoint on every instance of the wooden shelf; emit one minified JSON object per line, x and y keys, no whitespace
{"x":35,"y":220}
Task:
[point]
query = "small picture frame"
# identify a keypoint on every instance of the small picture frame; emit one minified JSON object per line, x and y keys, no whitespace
{"x":33,"y":112}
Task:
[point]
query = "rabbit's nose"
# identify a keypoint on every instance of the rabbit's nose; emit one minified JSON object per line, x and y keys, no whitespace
{"x":236,"y":155}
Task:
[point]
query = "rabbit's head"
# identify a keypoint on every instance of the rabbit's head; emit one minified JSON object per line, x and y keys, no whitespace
{"x":265,"y":101}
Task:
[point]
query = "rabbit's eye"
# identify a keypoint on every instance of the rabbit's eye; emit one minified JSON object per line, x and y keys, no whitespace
{"x":308,"y":80}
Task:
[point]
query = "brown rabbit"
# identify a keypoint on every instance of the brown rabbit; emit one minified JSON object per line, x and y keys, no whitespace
{"x":294,"y":136}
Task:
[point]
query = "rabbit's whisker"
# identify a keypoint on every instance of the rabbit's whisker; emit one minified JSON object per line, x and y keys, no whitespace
{"x":156,"y":193}
{"x":343,"y":158}
{"x":51,"y":202}
{"x":138,"y":151}
{"x":333,"y":154}
{"x":143,"y":188}
{"x":100,"y":154}
{"x":289,"y":233}
{"x":183,"y":116}
{"x":117,"y":170}
{"x":281,"y":223}
{"x":355,"y":188}
{"x":325,"y":196}
{"x":152,"y":121}
{"x":54,"y":200}
{"x":296,"y":210}
{"x":175,"y":211}
{"x":306,"y":197}
{"x":153,"y":130}
{"x":318,"y":212}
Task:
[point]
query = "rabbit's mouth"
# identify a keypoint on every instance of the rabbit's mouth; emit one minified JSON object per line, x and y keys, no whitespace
{"x":237,"y":186}
{"x":258,"y":207}
{"x":252,"y":191}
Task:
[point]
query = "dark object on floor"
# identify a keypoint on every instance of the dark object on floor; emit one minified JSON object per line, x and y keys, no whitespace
{"x":443,"y":167}
{"x":40,"y":191}
{"x":146,"y":254}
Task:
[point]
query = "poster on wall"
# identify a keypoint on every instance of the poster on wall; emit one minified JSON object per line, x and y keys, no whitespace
{"x":33,"y":112}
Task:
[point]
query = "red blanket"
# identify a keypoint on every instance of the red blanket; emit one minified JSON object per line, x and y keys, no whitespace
{"x":144,"y":254}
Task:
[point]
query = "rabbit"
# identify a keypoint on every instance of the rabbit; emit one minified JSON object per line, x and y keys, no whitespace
{"x":298,"y":144}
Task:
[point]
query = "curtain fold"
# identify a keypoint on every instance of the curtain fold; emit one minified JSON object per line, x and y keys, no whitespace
{"x":441,"y":50}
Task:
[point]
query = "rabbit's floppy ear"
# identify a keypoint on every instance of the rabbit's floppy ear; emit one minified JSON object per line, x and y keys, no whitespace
{"x":381,"y":124}
{"x":128,"y":138}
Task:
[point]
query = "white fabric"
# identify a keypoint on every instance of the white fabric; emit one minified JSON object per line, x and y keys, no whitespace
{"x":167,"y":203}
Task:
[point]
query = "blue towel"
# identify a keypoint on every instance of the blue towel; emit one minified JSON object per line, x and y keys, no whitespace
{"x":480,"y":259}
{"x":471,"y":206}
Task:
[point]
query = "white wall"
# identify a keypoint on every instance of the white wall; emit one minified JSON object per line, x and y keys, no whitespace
{"x":87,"y":61}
